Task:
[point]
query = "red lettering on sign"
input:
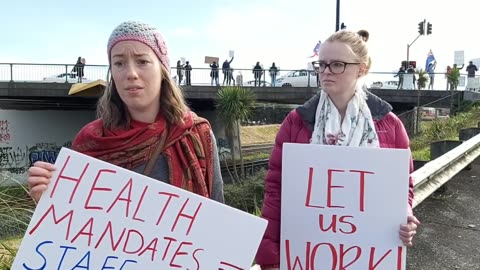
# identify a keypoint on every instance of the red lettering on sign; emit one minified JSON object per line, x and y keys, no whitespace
{"x":333,"y":254}
{"x":179,"y":253}
{"x":87,"y":230}
{"x":128,"y":199}
{"x":112,"y":243}
{"x":344,"y":252}
{"x":152,"y":247}
{"x":297,"y":260}
{"x":330,"y":187}
{"x":362,"y":187}
{"x":181,"y":214}
{"x":139,"y":205}
{"x":56,"y":221}
{"x":309,"y":190}
{"x":127,"y":241}
{"x":371,"y":265}
{"x":95,"y":188}
{"x":195,"y":257}
{"x":170,"y":239}
{"x":61,"y":176}
{"x":170,"y":195}
{"x":353,"y":228}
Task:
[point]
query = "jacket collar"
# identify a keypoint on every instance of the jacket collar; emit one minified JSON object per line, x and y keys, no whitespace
{"x":378,"y":108}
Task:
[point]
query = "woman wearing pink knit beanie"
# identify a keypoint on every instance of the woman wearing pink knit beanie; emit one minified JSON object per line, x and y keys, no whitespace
{"x":144,"y":123}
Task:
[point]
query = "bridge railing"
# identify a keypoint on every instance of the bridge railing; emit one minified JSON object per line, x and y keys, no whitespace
{"x":23,"y":72}
{"x":31,"y":72}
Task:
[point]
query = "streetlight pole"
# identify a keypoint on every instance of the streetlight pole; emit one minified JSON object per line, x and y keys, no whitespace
{"x":337,"y":25}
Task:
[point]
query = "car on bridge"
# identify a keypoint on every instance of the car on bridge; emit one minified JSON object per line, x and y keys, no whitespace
{"x":384,"y":85}
{"x":69,"y":77}
{"x":251,"y":83}
{"x":298,"y":78}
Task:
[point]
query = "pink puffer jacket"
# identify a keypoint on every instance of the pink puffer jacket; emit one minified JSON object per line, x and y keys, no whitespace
{"x":297,"y":128}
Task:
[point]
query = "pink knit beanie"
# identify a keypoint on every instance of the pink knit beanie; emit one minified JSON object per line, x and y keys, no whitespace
{"x":138,"y":31}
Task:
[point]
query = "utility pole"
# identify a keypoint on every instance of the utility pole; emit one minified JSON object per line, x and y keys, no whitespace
{"x":337,"y":25}
{"x":421,"y":32}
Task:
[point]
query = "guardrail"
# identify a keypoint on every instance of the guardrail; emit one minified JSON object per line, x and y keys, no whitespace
{"x":437,"y":172}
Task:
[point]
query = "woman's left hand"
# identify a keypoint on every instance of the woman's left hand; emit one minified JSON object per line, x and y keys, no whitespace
{"x":408,"y":231}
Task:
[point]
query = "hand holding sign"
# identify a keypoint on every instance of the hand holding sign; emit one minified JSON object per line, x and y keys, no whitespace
{"x":39,"y":177}
{"x":408,"y":231}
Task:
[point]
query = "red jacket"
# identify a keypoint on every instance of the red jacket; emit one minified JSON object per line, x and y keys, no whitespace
{"x":297,"y":128}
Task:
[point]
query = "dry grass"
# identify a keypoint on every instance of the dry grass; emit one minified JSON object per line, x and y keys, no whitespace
{"x":13,"y":243}
{"x":259,"y":134}
{"x":8,"y":249}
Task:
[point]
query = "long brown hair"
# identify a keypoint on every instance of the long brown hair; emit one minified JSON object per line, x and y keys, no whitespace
{"x":114,"y":113}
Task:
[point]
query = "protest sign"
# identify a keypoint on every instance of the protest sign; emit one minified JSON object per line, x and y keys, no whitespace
{"x":95,"y":215}
{"x":459,"y":58}
{"x":231,"y":53}
{"x":210,"y":60}
{"x":342,"y":207}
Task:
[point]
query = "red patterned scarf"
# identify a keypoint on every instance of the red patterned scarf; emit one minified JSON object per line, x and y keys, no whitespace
{"x":188,"y":149}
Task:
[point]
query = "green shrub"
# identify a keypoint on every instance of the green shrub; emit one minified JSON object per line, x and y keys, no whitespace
{"x":246,"y":195}
{"x":446,"y":129}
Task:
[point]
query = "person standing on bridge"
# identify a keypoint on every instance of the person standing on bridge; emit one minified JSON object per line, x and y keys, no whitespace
{"x":78,"y":68}
{"x":214,"y":73}
{"x":188,"y":73}
{"x":344,"y":110}
{"x":273,"y":74}
{"x":431,"y":74}
{"x":257,"y":74}
{"x":180,"y":68}
{"x":471,"y":69}
{"x":144,"y":123}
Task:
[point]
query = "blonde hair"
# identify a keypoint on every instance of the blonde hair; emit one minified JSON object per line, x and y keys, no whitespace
{"x":357,"y":42}
{"x":114,"y":114}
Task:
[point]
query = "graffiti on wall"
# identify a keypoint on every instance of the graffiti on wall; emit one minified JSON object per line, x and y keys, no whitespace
{"x":224,"y":150}
{"x":18,"y":159}
{"x":4,"y":131}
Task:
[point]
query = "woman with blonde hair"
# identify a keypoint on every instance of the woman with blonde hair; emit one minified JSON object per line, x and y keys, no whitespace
{"x":343,"y":113}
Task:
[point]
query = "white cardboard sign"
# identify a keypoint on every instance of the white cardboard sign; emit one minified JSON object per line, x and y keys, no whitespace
{"x":459,"y":58}
{"x":342,"y":207}
{"x":231,"y":53}
{"x":95,"y":215}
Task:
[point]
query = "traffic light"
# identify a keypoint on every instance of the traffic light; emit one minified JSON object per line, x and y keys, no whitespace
{"x":429,"y":28}
{"x":421,"y":27}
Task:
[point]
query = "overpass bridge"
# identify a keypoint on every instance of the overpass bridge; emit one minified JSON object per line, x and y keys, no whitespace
{"x":14,"y":94}
{"x":20,"y":82}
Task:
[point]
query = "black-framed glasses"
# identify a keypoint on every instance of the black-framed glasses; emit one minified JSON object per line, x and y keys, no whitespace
{"x":336,"y":67}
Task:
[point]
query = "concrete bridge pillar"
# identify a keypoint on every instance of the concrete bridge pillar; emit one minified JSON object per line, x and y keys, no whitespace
{"x":226,"y":139}
{"x":409,"y":120}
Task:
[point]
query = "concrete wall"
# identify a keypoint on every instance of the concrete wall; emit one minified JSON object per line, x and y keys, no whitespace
{"x":28,"y":136}
{"x":224,"y":143}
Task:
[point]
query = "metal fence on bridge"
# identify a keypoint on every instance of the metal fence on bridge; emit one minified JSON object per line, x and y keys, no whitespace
{"x":31,"y":72}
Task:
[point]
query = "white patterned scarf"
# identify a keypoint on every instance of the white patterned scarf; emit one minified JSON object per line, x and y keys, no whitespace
{"x":357,"y":128}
